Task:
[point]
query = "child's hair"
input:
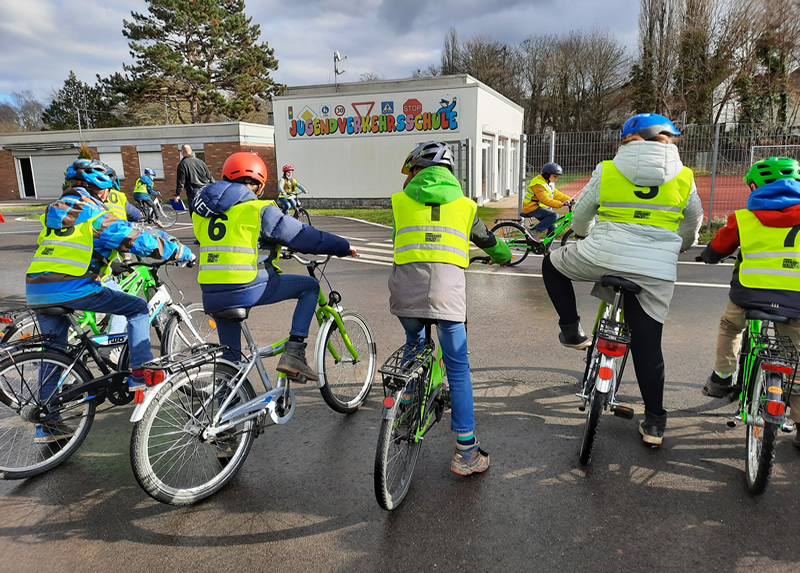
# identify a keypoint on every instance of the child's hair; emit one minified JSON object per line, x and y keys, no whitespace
{"x":661,"y":138}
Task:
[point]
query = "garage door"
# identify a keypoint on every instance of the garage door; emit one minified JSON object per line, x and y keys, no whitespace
{"x":48,"y":174}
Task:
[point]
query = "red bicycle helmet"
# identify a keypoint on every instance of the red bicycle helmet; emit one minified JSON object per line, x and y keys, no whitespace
{"x":244,"y":164}
{"x":287,"y":167}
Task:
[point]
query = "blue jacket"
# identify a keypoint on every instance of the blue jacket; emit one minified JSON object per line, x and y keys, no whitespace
{"x":76,"y":206}
{"x":151,"y":192}
{"x":276,"y":229}
{"x":775,"y":196}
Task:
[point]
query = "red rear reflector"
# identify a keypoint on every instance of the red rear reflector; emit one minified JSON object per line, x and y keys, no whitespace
{"x":153,"y":377}
{"x":6,"y":320}
{"x":605,"y":373}
{"x":610,"y":348}
{"x":388,"y":401}
{"x":776,"y":408}
{"x":777,"y":368}
{"x":138,"y":397}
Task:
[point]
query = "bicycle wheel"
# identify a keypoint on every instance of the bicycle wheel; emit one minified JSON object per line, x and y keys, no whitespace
{"x":596,"y":401}
{"x":165,"y":215}
{"x":566,"y":237}
{"x":514,"y":236}
{"x":760,"y":440}
{"x":26,"y":326}
{"x":303,"y":216}
{"x":346,"y":383}
{"x":398,"y":449}
{"x":26,"y":448}
{"x":170,"y":459}
{"x":177,"y":334}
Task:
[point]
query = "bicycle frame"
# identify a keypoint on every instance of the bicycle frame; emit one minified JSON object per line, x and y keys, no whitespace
{"x":609,"y":326}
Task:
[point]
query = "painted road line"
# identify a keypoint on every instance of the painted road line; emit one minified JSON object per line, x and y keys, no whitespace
{"x":353,"y":238}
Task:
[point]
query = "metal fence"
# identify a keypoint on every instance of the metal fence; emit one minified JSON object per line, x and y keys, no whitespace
{"x":718,"y":154}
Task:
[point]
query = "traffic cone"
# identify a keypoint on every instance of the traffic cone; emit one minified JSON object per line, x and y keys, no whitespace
{"x":1,"y":218}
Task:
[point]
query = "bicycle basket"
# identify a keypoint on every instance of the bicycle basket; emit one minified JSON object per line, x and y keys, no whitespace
{"x":187,"y":358}
{"x":405,"y":363}
{"x":778,"y":350}
{"x":614,"y":331}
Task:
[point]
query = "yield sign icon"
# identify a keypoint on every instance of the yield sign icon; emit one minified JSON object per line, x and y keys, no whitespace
{"x":363,"y":108}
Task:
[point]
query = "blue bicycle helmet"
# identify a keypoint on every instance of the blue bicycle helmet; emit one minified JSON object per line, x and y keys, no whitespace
{"x":552,"y":169}
{"x":647,"y":126}
{"x":91,"y":171}
{"x":149,"y":172}
{"x":115,"y":181}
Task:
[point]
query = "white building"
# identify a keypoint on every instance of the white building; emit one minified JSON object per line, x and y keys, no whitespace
{"x":348,"y":142}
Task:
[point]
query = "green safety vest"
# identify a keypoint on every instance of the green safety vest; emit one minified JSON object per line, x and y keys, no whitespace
{"x":624,"y":202}
{"x":229,"y":244}
{"x":432,"y":233}
{"x":68,"y":251}
{"x":770,"y":256}
{"x":116,"y":204}
{"x":539,"y":180}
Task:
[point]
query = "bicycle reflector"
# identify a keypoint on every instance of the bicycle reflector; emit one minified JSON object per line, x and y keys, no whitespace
{"x":388,"y":401}
{"x":780,"y":368}
{"x":610,"y":348}
{"x":605,"y":373}
{"x":6,"y":320}
{"x":153,"y":377}
{"x":775,"y":405}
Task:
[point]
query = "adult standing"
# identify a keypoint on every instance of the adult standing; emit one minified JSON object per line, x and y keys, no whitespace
{"x":193,"y":175}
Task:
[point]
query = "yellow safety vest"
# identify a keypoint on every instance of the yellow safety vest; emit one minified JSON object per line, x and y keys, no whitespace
{"x":229,"y":244}
{"x":432,"y":233}
{"x":291,"y":190}
{"x":68,"y":251}
{"x":550,"y":186}
{"x":140,"y":187}
{"x":770,"y":256}
{"x":623,"y":202}
{"x":116,"y":204}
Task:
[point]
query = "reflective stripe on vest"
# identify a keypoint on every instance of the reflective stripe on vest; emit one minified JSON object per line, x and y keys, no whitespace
{"x":68,"y":251}
{"x":116,"y":204}
{"x":549,"y":186}
{"x":770,"y":255}
{"x":229,"y":244}
{"x":623,"y":202}
{"x":432,"y":233}
{"x":292,"y":190}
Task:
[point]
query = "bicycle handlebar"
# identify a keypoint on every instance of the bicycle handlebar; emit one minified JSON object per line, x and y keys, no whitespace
{"x":482,"y":259}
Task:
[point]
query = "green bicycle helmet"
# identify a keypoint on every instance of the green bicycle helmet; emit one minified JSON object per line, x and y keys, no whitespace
{"x":771,"y":169}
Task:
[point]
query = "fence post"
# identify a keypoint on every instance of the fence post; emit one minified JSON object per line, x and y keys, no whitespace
{"x":552,"y":146}
{"x":713,"y":174}
{"x":523,"y":171}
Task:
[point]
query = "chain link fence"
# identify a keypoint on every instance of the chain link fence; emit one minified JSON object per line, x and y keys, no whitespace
{"x":718,"y":154}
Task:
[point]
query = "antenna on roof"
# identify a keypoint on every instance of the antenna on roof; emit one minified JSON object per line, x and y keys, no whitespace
{"x":337,"y":57}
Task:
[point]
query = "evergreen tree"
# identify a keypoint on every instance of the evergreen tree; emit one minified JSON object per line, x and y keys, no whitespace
{"x":206,"y":53}
{"x":77,"y":97}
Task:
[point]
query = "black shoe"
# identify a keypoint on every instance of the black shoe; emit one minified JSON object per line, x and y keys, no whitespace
{"x":572,"y":336}
{"x":717,"y":387}
{"x":652,"y":428}
{"x":796,"y":440}
{"x":293,"y":363}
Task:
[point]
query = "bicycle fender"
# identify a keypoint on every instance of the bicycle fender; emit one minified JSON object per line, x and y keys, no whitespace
{"x":601,"y":384}
{"x":139,"y":409}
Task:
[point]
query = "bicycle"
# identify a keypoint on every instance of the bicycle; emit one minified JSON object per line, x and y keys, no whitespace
{"x":605,"y":363}
{"x":520,"y":239}
{"x":162,"y":214}
{"x":415,"y":397}
{"x":299,"y":212}
{"x":196,"y":425}
{"x":69,"y":409}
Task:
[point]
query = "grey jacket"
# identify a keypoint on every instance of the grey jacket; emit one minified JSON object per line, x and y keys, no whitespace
{"x":193,"y":174}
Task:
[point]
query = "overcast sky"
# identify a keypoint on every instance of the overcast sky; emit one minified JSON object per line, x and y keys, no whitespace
{"x":42,"y":40}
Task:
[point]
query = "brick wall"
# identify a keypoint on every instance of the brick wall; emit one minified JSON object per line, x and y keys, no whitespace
{"x":170,"y":156}
{"x":217,"y":153}
{"x":9,"y":187}
{"x":130,"y":163}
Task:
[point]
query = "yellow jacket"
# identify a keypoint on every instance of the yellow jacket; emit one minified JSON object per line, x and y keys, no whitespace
{"x":542,"y":194}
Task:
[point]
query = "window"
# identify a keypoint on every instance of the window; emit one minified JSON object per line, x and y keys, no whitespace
{"x":152,"y":160}
{"x":114,"y":160}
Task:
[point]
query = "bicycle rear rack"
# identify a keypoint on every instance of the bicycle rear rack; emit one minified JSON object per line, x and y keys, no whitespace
{"x":614,"y":331}
{"x":405,"y":364}
{"x":187,"y":359}
{"x":779,"y":350}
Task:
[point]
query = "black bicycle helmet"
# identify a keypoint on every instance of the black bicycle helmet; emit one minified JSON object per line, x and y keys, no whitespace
{"x":552,"y":169}
{"x":428,"y":154}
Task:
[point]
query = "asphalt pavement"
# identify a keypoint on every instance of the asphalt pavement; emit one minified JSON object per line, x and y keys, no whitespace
{"x":304,"y":499}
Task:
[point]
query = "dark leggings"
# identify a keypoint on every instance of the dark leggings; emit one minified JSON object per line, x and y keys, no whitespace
{"x":648,"y":361}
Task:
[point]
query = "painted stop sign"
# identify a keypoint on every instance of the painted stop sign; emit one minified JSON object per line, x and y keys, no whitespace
{"x":412,"y":107}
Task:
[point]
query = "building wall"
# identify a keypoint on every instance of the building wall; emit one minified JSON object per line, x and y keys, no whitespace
{"x":9,"y":186}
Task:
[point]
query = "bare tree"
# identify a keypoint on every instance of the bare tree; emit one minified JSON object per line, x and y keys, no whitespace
{"x":652,"y":76}
{"x":370,"y":77}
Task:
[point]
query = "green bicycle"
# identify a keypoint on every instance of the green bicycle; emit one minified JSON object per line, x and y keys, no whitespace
{"x":520,"y":239}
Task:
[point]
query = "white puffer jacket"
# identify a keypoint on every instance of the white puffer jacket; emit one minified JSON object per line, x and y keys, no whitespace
{"x":631,"y":247}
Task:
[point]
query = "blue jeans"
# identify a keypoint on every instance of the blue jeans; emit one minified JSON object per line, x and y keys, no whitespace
{"x":118,"y":323}
{"x":287,"y":202}
{"x":109,"y":301}
{"x":279,"y":287}
{"x":453,"y":341}
{"x":547,"y":218}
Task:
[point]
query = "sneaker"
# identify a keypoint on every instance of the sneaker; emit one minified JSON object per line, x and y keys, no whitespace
{"x":136,"y":383}
{"x":652,"y":428}
{"x":572,"y":336}
{"x":54,"y":431}
{"x":470,"y":461}
{"x":293,"y":363}
{"x":718,"y":387}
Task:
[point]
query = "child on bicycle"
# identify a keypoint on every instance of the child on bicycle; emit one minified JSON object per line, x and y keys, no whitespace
{"x":648,"y":211}
{"x":231,"y":223}
{"x":542,"y":197}
{"x":767,"y":271}
{"x":79,"y":237}
{"x":144,"y":192}
{"x":287,"y":189}
{"x":433,"y":226}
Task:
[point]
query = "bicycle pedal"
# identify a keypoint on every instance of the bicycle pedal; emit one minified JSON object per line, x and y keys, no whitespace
{"x":299,"y":378}
{"x":731,"y":423}
{"x":623,"y":412}
{"x":582,"y":408}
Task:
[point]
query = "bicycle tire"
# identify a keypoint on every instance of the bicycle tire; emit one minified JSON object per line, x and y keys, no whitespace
{"x":303,"y":216}
{"x":20,"y":456}
{"x":177,"y":336}
{"x":508,"y":232}
{"x":346,"y":385}
{"x":26,"y":326}
{"x":760,"y":442}
{"x":565,"y":237}
{"x":158,"y":458}
{"x":397,"y":452}
{"x":165,"y":215}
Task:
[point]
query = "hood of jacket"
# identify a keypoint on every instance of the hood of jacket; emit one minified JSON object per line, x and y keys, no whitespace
{"x":648,"y":163}
{"x":75,"y":206}
{"x":218,"y":197}
{"x":434,"y":185}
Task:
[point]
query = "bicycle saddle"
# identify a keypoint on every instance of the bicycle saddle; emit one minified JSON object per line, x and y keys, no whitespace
{"x":239,"y":314}
{"x":753,"y":314}
{"x":620,"y":283}
{"x":55,"y":310}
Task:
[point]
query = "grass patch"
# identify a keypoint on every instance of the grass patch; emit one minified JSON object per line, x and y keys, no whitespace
{"x":716,"y":224}
{"x":22,"y":208}
{"x":384,"y":216}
